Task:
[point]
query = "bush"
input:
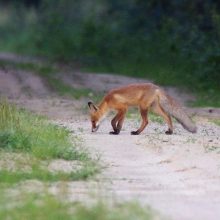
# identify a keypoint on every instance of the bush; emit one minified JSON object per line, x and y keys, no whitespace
{"x":21,"y":131}
{"x":38,"y":142}
{"x":173,"y":42}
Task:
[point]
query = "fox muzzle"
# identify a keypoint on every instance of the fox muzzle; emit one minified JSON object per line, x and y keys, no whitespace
{"x":95,"y":129}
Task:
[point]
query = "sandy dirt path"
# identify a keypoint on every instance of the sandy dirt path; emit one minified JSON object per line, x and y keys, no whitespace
{"x":177,"y":175}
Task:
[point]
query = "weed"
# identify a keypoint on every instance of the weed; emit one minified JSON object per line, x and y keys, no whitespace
{"x":155,"y":118}
{"x":42,"y":173}
{"x":45,"y":207}
{"x":22,"y":132}
{"x":216,"y":121}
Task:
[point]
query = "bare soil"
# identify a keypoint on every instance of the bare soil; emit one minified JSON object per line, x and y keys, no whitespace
{"x":177,"y":175}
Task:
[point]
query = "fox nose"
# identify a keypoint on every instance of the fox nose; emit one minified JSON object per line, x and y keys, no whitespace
{"x":95,"y":129}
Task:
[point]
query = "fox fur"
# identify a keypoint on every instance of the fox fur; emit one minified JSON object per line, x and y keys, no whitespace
{"x":146,"y":96}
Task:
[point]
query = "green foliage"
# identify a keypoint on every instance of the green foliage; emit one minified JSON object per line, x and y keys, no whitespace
{"x":175,"y":42}
{"x":43,"y":174}
{"x":47,"y":207}
{"x":216,"y":121}
{"x":22,"y":132}
{"x":155,"y":118}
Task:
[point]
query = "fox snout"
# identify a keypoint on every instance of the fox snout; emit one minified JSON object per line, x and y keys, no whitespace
{"x":94,"y":129}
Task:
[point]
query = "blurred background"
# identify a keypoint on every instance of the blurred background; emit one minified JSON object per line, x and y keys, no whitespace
{"x":175,"y":42}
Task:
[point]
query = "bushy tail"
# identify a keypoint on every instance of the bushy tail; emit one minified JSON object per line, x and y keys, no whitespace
{"x":174,"y":109}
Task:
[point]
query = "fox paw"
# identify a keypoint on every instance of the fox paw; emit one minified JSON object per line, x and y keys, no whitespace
{"x":114,"y":132}
{"x":134,"y":133}
{"x":169,"y":132}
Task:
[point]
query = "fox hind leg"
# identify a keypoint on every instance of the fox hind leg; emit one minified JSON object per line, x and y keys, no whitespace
{"x":158,"y":110}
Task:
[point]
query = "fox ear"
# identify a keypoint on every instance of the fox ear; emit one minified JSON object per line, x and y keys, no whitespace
{"x":92,"y":106}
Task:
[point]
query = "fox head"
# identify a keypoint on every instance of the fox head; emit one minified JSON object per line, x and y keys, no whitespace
{"x":94,"y":116}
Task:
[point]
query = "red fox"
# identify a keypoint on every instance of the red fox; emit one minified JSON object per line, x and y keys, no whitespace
{"x":146,"y":96}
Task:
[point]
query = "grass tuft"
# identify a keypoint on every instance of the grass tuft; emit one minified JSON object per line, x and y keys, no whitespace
{"x":45,"y":207}
{"x":22,"y":132}
{"x":216,"y":121}
{"x":155,"y":118}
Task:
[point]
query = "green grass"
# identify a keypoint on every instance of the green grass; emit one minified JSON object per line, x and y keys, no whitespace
{"x":8,"y":177}
{"x":216,"y":121}
{"x":134,"y":113}
{"x":155,"y":118}
{"x":22,"y":132}
{"x":47,"y":207}
{"x":208,"y":98}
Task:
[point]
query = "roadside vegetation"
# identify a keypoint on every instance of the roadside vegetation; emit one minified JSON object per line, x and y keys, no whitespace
{"x":44,"y":207}
{"x":173,"y":43}
{"x":216,"y":121}
{"x":29,"y":143}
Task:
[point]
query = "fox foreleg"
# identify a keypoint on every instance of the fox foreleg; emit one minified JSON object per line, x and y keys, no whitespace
{"x":117,"y":122}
